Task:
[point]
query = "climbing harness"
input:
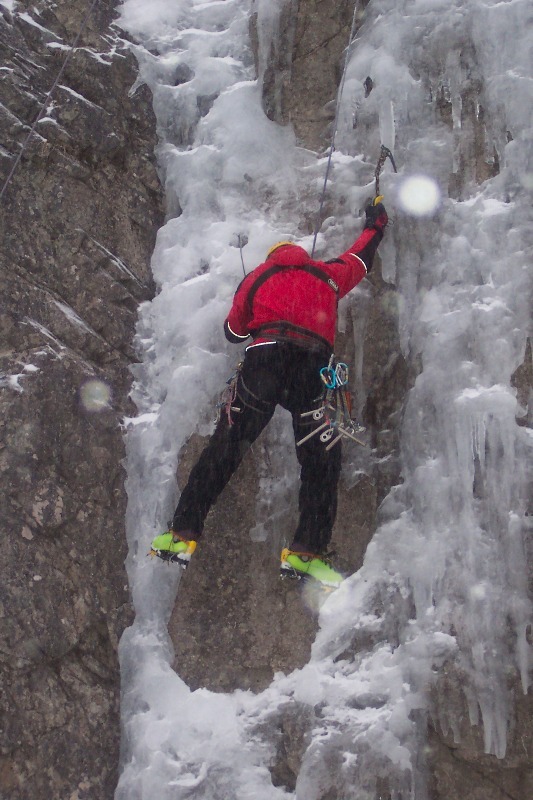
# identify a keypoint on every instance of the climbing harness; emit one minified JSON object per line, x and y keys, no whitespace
{"x":383,"y":156}
{"x":334,"y":415}
{"x":311,"y":269}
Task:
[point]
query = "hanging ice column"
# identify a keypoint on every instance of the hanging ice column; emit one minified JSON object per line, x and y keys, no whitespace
{"x":449,"y":556}
{"x":444,"y":578}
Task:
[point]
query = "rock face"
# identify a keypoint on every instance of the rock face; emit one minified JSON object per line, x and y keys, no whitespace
{"x":464,"y":770}
{"x":78,"y":221}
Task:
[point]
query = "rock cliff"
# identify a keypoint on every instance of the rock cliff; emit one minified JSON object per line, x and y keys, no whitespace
{"x":78,"y":221}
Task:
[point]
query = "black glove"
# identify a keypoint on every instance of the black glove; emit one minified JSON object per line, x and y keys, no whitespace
{"x":376,"y":216}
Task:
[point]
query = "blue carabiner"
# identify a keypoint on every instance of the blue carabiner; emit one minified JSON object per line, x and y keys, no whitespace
{"x":329,"y":377}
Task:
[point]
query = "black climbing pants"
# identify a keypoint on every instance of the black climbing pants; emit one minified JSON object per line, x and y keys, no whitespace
{"x":288,"y":375}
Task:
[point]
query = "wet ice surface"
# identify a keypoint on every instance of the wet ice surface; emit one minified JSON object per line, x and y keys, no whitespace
{"x":444,"y":576}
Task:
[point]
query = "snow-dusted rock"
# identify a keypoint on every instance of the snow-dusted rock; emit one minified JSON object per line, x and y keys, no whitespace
{"x":78,"y":221}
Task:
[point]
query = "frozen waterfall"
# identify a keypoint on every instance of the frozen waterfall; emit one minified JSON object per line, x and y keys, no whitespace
{"x":444,"y":579}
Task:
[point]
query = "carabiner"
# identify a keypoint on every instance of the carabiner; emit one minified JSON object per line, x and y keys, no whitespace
{"x":341,"y":374}
{"x":329,"y":377}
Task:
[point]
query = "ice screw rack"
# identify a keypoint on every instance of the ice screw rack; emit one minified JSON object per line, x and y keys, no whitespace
{"x":334,"y":415}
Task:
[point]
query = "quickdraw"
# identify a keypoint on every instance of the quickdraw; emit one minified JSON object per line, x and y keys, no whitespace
{"x":383,"y":156}
{"x":334,"y":415}
{"x":335,"y":378}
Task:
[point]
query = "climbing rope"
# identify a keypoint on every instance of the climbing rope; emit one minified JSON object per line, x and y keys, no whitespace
{"x":46,"y":101}
{"x":335,"y":126}
{"x":384,"y":154}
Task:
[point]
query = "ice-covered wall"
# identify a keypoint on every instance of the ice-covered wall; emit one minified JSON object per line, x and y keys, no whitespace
{"x":442,"y":595}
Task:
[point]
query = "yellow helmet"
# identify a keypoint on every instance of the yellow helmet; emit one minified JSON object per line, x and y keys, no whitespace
{"x":275,"y":247}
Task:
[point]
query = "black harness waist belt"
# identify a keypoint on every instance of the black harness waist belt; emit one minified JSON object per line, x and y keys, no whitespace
{"x":287,"y":332}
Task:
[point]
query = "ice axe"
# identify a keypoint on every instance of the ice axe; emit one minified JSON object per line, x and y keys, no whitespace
{"x":383,"y":156}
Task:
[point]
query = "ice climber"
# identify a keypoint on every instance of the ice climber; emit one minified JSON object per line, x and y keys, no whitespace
{"x":288,"y":306}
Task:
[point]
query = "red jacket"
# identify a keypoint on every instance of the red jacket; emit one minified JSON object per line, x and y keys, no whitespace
{"x":291,"y":297}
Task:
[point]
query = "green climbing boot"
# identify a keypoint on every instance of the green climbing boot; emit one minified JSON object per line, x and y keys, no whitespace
{"x":309,"y":565}
{"x":172,"y":547}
